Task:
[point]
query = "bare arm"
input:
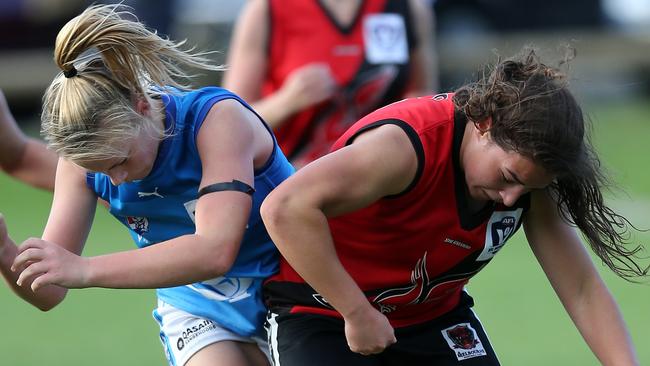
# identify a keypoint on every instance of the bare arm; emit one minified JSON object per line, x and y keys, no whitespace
{"x":247,"y":68}
{"x":577,"y":283}
{"x":45,"y":299}
{"x":221,"y":219}
{"x":380,"y":162}
{"x":424,"y":61}
{"x":68,"y":226}
{"x":22,"y":157}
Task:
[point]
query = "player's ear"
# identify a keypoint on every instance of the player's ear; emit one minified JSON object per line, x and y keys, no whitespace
{"x":142,"y":106}
{"x":484,"y":126}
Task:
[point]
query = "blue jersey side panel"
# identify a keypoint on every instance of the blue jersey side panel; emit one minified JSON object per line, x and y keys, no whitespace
{"x":161,"y":207}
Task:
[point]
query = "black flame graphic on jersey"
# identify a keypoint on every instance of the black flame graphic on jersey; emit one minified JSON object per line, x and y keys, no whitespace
{"x":422,"y":285}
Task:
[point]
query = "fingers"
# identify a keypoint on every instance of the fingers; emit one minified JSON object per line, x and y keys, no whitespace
{"x":29,"y":263}
{"x":30,"y":273}
{"x":41,"y":281}
{"x":26,"y":254}
{"x":367,"y":351}
{"x":368,"y":332}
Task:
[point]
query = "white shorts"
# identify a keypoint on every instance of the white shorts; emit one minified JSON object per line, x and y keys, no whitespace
{"x":183,"y":334}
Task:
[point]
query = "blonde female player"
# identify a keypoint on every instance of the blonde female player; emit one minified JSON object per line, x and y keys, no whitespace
{"x":184,"y":171}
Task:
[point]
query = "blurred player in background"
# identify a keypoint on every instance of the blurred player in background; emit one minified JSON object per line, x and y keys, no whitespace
{"x":312,"y":68}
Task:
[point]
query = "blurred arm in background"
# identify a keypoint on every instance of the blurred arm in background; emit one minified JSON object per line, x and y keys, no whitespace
{"x":22,"y":157}
{"x":424,"y":77}
{"x":247,"y":68}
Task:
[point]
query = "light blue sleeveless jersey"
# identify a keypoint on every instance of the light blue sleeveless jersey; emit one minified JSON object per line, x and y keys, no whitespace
{"x":161,"y":207}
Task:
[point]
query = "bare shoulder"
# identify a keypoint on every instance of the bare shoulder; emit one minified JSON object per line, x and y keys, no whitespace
{"x":232,"y":131}
{"x":230,"y":113}
{"x":385,"y":152}
{"x":387,"y":139}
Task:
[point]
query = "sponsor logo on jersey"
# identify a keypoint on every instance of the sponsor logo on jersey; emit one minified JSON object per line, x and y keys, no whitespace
{"x":149,"y":194}
{"x":462,"y":339}
{"x":457,"y":243}
{"x":138,"y":224}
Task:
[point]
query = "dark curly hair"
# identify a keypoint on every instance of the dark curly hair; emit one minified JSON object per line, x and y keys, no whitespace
{"x":534,"y":114}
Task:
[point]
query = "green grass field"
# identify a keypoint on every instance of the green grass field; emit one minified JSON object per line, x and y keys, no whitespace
{"x":526,"y":322}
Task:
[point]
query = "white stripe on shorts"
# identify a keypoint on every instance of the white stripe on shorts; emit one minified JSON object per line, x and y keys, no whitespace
{"x":486,"y":334}
{"x":273,"y":338}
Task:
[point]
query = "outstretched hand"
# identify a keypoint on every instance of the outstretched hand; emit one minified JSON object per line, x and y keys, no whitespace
{"x":43,"y":263}
{"x":369,"y":332}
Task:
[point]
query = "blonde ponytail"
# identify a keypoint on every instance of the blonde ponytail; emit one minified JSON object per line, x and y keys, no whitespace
{"x":107,"y":58}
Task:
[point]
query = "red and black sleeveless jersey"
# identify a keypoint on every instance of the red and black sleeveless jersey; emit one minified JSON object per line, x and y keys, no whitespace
{"x":412,"y":253}
{"x":369,"y":60}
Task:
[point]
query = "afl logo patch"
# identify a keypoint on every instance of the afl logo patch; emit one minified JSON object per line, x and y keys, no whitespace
{"x":499,"y":229}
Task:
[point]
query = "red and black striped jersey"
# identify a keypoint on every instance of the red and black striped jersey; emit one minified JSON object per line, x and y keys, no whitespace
{"x":368,"y":58}
{"x":412,"y":253}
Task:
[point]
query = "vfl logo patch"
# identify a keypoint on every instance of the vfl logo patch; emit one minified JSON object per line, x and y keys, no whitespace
{"x":138,"y":224}
{"x":385,"y":39}
{"x":462,"y":339}
{"x":500,"y":228}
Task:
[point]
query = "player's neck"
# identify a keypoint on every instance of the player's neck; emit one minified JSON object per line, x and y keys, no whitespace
{"x":344,"y":11}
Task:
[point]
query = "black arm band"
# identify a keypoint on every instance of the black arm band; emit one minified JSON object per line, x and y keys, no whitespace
{"x":235,"y":185}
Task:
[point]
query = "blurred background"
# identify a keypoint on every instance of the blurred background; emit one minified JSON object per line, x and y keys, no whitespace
{"x":526,"y":323}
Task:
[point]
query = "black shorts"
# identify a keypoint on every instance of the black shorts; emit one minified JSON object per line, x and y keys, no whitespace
{"x":456,"y":338}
